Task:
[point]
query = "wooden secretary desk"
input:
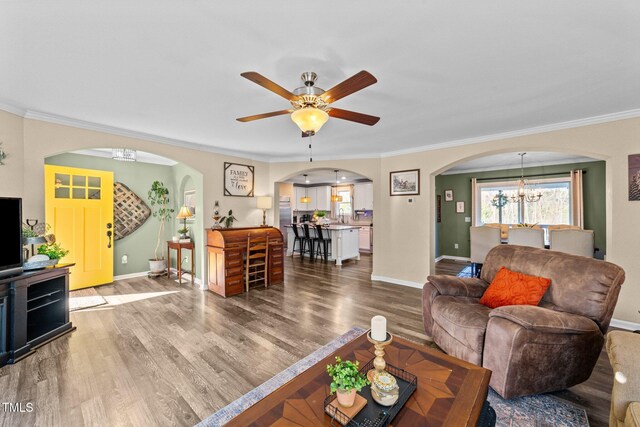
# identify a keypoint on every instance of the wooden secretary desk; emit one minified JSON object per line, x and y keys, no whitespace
{"x":226,"y":248}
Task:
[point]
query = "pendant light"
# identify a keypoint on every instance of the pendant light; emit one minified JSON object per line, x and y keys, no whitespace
{"x":306,"y":198}
{"x":525,"y":192}
{"x":335,"y":197}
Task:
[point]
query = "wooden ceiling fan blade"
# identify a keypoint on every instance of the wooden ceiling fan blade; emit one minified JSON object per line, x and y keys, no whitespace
{"x":268,"y":84}
{"x":263,"y":116}
{"x":352,"y":116}
{"x":353,"y":84}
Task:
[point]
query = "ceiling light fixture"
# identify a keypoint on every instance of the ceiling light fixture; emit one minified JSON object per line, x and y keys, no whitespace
{"x":123,"y":154}
{"x":525,"y":191}
{"x":306,"y":198}
{"x":336,"y":197}
{"x":309,"y":119}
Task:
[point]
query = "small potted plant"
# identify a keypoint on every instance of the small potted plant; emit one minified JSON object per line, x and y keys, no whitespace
{"x":228,"y":219}
{"x":159,"y":200}
{"x":346,"y":381}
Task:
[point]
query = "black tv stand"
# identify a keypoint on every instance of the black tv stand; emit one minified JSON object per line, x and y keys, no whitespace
{"x":34,"y":309}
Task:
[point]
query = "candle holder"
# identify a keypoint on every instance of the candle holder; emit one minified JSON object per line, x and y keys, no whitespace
{"x":378,"y":363}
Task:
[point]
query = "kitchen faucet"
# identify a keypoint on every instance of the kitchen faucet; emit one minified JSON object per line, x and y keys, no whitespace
{"x":341,"y":214}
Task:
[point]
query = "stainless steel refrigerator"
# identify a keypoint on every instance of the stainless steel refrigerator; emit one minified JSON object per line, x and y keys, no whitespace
{"x":285,"y":216}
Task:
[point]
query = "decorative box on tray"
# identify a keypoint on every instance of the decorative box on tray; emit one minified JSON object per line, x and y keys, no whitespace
{"x":372,"y":413}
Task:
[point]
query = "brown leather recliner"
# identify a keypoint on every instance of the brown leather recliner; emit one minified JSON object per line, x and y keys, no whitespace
{"x":530,"y":349}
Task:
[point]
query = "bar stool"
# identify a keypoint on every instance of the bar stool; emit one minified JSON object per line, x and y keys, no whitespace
{"x":256,"y":266}
{"x":306,"y":240}
{"x":297,"y":239}
{"x":323,"y":245}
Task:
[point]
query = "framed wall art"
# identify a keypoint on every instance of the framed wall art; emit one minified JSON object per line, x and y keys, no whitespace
{"x":459,"y":207}
{"x":634,"y":177}
{"x":238,"y":180}
{"x":448,"y":195}
{"x":404,"y":183}
{"x":190,"y":202}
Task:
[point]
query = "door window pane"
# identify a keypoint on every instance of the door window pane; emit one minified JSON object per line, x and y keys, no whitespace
{"x":79,"y":181}
{"x":62,"y":179}
{"x":62,"y":193}
{"x":79,"y":193}
{"x":94,"y":181}
{"x":94,"y":194}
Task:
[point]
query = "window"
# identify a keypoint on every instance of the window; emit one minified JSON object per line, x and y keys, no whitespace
{"x":344,"y":207}
{"x":553,"y":208}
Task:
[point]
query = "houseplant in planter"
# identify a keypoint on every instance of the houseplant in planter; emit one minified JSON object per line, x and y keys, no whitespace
{"x":228,"y":219}
{"x":158,"y":197}
{"x":346,"y":380}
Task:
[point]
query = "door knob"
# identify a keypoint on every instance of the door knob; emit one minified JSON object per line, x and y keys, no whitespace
{"x":109,"y":234}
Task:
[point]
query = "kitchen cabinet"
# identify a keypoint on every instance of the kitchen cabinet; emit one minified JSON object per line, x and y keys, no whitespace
{"x":323,"y":198}
{"x":320,"y":198}
{"x":297,"y":205}
{"x":364,"y":238}
{"x":363,"y":196}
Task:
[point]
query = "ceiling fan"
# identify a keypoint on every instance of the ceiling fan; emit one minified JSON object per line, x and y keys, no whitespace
{"x":311,"y":105}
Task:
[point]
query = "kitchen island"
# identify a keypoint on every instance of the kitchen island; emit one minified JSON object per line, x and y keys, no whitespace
{"x":344,"y":241}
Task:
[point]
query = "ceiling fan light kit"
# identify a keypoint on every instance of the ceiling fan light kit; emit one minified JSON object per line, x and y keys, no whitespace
{"x":310,"y":104}
{"x":309,"y":119}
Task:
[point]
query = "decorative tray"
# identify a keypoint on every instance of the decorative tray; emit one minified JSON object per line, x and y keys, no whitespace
{"x":36,"y":265}
{"x":374,"y":414}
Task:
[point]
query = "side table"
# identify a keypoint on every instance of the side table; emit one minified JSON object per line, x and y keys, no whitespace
{"x":179,"y":247}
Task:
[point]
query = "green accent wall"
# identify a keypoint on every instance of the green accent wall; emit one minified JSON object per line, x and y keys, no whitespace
{"x":138,"y":246}
{"x":453,"y":228}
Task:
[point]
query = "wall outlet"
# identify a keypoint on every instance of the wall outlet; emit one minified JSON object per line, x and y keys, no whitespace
{"x":125,"y":259}
{"x":467,"y":219}
{"x":455,"y":246}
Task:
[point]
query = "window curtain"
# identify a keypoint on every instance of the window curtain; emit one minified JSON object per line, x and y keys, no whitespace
{"x":473,"y":202}
{"x":577,"y":202}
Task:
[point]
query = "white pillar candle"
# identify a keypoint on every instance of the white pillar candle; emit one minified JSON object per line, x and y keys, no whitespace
{"x":379,"y":328}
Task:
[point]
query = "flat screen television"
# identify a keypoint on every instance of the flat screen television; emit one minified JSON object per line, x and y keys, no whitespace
{"x":11,"y":242}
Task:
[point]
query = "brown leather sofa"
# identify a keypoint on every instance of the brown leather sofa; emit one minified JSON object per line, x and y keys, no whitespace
{"x":530,"y":349}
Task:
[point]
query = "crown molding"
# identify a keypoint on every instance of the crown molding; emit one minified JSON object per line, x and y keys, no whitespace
{"x":81,"y":124}
{"x":517,"y":166}
{"x":12,"y":109}
{"x":605,"y":118}
{"x":52,"y":118}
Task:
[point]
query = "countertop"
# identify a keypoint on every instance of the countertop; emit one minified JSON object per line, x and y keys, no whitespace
{"x":336,"y":227}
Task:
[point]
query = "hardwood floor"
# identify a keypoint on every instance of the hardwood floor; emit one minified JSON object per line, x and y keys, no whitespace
{"x":163,"y":355}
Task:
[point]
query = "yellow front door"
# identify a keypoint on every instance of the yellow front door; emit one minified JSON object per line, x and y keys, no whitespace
{"x":79,"y":209}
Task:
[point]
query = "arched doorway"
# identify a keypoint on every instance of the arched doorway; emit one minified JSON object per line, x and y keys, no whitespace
{"x":132,"y":251}
{"x":466,"y":194}
{"x":327,"y":195}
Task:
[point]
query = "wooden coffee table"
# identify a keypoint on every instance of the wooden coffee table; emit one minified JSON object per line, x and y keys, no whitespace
{"x":450,"y":392}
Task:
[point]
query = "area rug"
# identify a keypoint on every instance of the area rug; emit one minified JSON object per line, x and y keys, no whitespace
{"x":85,"y":298}
{"x":531,"y":411}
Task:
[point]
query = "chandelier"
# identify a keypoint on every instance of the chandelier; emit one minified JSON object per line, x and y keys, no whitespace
{"x":525,"y":191}
{"x":336,"y":197}
{"x":123,"y":154}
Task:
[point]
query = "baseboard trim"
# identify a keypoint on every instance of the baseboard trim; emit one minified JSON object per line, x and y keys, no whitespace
{"x":453,"y":257}
{"x":397,"y":281}
{"x":623,"y":324}
{"x":130,"y":275}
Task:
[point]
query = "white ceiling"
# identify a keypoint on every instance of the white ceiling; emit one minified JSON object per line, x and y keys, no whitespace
{"x":448,"y":72}
{"x":326,"y":176}
{"x":512,"y":161}
{"x":141,"y":156}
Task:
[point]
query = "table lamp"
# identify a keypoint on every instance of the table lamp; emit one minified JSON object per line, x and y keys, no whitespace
{"x":184,"y":213}
{"x":264,"y":203}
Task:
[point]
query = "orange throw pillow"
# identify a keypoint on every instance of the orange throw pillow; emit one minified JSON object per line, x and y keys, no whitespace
{"x":512,"y":288}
